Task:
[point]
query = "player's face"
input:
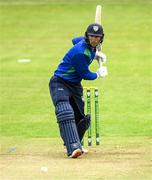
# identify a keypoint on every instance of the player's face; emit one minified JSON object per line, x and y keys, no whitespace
{"x":94,"y":40}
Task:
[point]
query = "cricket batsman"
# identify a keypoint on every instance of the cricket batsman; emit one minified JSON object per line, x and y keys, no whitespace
{"x":66,"y":89}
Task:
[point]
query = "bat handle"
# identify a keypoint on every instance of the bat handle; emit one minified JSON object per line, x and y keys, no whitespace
{"x":100,"y":63}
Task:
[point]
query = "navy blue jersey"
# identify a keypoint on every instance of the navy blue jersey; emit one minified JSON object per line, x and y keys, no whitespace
{"x":75,"y":64}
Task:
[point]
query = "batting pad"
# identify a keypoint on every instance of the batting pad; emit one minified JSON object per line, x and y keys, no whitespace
{"x":83,"y":125}
{"x":67,"y":126}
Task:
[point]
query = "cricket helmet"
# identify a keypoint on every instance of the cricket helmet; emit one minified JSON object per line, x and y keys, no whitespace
{"x":94,"y":30}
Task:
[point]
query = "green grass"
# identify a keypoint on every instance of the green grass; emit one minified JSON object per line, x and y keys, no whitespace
{"x":42,"y":31}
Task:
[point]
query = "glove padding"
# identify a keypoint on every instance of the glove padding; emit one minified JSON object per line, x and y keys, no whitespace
{"x":100,"y":56}
{"x":102,"y":72}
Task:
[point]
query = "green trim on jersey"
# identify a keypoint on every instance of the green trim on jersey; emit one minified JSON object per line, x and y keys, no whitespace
{"x":87,"y":52}
{"x":69,"y":72}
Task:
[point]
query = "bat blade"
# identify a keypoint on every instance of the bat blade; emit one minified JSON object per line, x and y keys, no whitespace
{"x":98,"y":21}
{"x":98,"y":14}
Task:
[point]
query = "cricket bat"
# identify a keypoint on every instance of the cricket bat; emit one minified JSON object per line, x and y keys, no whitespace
{"x":98,"y":21}
{"x":98,"y":15}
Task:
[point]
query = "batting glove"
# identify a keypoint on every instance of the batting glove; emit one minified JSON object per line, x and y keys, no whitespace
{"x":102,"y":72}
{"x":100,"y":56}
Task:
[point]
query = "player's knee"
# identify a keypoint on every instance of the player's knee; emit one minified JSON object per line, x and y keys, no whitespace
{"x":64,"y":111}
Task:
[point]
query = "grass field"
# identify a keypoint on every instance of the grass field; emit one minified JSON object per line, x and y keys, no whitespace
{"x":117,"y":158}
{"x":42,"y":31}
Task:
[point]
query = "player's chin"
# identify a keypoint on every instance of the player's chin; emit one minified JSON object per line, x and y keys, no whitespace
{"x":94,"y":45}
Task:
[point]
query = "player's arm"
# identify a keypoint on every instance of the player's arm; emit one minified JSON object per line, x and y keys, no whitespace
{"x":81,"y":62}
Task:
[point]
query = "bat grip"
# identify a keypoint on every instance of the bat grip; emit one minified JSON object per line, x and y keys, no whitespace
{"x":100,"y":63}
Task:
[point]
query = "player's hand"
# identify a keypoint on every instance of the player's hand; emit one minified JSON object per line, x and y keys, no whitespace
{"x":100,"y":56}
{"x":102,"y":71}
